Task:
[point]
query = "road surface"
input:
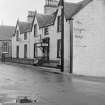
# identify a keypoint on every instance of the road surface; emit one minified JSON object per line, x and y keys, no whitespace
{"x":55,"y":89}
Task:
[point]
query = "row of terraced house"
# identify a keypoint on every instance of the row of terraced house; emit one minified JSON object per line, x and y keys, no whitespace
{"x":39,"y":39}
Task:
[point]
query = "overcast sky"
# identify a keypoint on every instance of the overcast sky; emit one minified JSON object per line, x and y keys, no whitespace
{"x":10,"y":10}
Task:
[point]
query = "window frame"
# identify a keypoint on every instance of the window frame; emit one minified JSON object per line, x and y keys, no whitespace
{"x":35,"y":30}
{"x":59,"y":24}
{"x":25,"y":36}
{"x":46,"y":31}
{"x":5,"y":46}
{"x":17,"y":35}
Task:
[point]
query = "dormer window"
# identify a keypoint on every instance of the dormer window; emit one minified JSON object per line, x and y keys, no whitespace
{"x":25,"y":36}
{"x":17,"y":35}
{"x":46,"y":32}
{"x":35,"y":30}
{"x":59,"y":24}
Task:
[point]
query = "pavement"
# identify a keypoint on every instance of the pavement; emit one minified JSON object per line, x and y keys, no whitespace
{"x":57,"y":71}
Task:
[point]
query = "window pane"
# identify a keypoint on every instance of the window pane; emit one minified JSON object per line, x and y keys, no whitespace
{"x":17,"y":35}
{"x":35,"y":30}
{"x":46,"y":31}
{"x":59,"y":24}
{"x":25,"y":36}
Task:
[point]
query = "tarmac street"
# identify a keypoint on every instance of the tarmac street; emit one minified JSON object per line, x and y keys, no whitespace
{"x":52,"y":88}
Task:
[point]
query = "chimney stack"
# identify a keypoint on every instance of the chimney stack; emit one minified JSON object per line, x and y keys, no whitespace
{"x":50,"y":6}
{"x":30,"y":16}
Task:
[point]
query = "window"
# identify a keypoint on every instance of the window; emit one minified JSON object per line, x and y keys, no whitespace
{"x":5,"y":47}
{"x":25,"y":36}
{"x":17,"y":51}
{"x":17,"y":35}
{"x":25,"y":51}
{"x":46,"y":31}
{"x":35,"y":30}
{"x":59,"y":24}
{"x":35,"y":51}
{"x":59,"y":48}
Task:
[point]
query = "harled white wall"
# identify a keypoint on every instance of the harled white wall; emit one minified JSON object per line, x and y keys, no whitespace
{"x":89,"y":40}
{"x":21,"y":44}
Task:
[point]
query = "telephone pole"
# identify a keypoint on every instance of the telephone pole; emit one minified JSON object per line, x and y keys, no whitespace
{"x":62,"y":35}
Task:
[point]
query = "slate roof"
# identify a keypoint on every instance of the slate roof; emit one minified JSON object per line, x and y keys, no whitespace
{"x":6,"y":32}
{"x":71,"y":9}
{"x":45,"y":20}
{"x":24,"y":27}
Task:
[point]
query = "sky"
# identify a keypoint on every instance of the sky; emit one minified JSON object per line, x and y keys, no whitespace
{"x":11,"y":10}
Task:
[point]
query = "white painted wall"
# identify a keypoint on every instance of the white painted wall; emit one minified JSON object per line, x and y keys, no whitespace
{"x":35,"y":40}
{"x":54,"y":36}
{"x":21,"y":44}
{"x":89,"y":44}
{"x":66,"y":46}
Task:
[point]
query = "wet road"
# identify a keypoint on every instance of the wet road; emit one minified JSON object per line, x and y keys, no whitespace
{"x":55,"y":89}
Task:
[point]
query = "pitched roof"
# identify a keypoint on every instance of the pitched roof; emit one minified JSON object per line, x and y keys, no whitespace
{"x":24,"y":27}
{"x":71,"y":9}
{"x":45,"y":20}
{"x":6,"y":32}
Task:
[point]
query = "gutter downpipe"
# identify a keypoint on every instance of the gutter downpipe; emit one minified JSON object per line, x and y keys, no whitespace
{"x":62,"y":36}
{"x":71,"y":45}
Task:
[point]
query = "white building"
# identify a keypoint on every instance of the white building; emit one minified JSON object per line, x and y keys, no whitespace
{"x":41,"y":39}
{"x":83,"y":36}
{"x":89,"y":39}
{"x":21,"y":41}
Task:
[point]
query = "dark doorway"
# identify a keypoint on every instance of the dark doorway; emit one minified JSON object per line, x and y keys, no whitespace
{"x":25,"y":51}
{"x":17,"y":52}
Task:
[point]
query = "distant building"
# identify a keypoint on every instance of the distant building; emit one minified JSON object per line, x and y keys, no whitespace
{"x":6,"y":33}
{"x":21,"y":40}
